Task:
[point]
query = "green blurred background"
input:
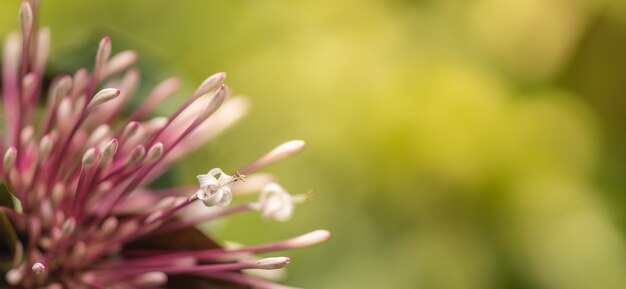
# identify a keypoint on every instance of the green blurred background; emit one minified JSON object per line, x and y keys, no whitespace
{"x":452,"y":144}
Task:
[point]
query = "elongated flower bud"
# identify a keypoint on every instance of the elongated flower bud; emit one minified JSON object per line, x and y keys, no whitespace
{"x":307,"y":240}
{"x":68,"y":226}
{"x":155,"y":152}
{"x":11,"y":53}
{"x":61,"y":89}
{"x":136,"y":155}
{"x":26,"y":18}
{"x":273,"y":263}
{"x":120,"y":62}
{"x":109,"y":225}
{"x":98,"y":135}
{"x":281,"y":152}
{"x":27,"y":133}
{"x":156,"y":123}
{"x":212,"y":82}
{"x":216,"y":102}
{"x":90,"y":157}
{"x":45,"y":146}
{"x":81,"y":80}
{"x":9,"y":158}
{"x":43,"y":49}
{"x":102,"y":56}
{"x":161,"y":92}
{"x":109,"y":150}
{"x":151,"y":279}
{"x":28,"y":84}
{"x":103,"y":96}
{"x":130,"y":130}
{"x":64,"y":114}
{"x":79,"y":251}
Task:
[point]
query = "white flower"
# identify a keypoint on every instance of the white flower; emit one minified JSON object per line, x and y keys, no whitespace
{"x":214,"y":189}
{"x":275,"y":203}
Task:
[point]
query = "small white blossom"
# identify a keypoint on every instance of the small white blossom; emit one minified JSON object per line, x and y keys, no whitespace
{"x":275,"y":203}
{"x":214,"y":188}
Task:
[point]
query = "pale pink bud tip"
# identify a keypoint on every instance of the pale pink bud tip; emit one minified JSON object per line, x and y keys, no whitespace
{"x":120,"y":62}
{"x":273,"y":263}
{"x":290,"y":148}
{"x":136,"y":155}
{"x":216,"y":102}
{"x":39,"y":268}
{"x":62,"y":89}
{"x":130,"y":129}
{"x":14,"y":276}
{"x":211,"y":83}
{"x":281,"y":152}
{"x":68,"y":226}
{"x":155,"y":152}
{"x":26,"y":17}
{"x":309,"y":239}
{"x":28,"y":83}
{"x":9,"y":158}
{"x":103,"y":96}
{"x":152,"y":278}
{"x":110,"y":149}
{"x":104,"y":49}
{"x":113,"y":143}
{"x":102,"y":56}
{"x":45,"y":146}
{"x":90,"y":157}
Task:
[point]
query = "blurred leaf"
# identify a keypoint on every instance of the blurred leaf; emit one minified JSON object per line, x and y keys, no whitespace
{"x":6,"y":200}
{"x":190,"y":238}
{"x":8,"y":236}
{"x":8,"y":239}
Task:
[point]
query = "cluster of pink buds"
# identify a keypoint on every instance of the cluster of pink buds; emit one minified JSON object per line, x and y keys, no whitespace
{"x":75,"y":209}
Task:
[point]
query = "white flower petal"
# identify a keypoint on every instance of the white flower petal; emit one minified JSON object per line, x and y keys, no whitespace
{"x":214,"y":189}
{"x":275,"y":203}
{"x":206,"y":180}
{"x":224,"y":179}
{"x":269,"y":190}
{"x":212,"y":199}
{"x":226,"y":197}
{"x":284,"y":214}
{"x":215,"y":171}
{"x":201,"y":194}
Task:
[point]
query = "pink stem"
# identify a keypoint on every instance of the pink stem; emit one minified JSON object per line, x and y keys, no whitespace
{"x":135,"y":270}
{"x":242,"y":279}
{"x":204,"y":218}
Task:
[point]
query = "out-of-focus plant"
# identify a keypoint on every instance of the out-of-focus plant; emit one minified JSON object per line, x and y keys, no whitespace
{"x":75,"y":209}
{"x":462,"y":144}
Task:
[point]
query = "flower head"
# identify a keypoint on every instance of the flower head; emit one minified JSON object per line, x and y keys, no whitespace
{"x":75,"y":207}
